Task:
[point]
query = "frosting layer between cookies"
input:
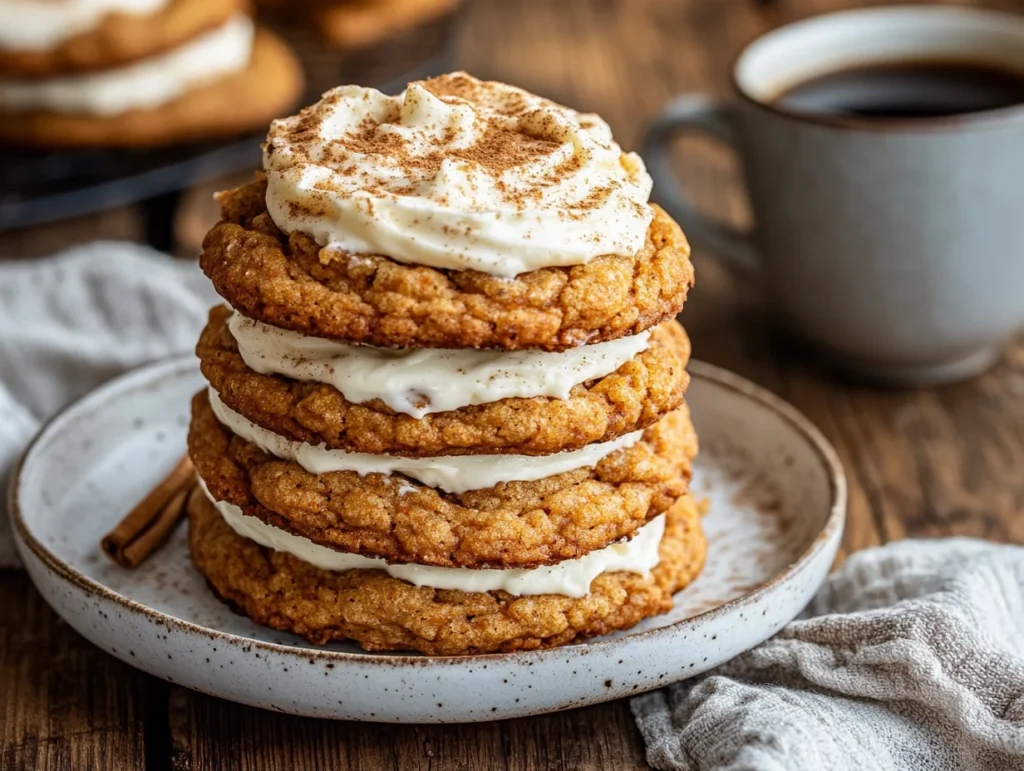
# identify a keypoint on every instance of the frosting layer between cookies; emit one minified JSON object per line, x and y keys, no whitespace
{"x":570,"y":578}
{"x":30,"y":25}
{"x":457,"y":174}
{"x":146,"y":84}
{"x":419,"y":382}
{"x":453,"y":473}
{"x":383,"y":613}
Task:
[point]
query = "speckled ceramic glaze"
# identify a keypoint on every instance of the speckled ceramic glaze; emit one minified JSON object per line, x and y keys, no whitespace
{"x":777,"y":498}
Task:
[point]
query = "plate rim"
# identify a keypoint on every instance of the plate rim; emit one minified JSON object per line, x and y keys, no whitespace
{"x":696,"y":368}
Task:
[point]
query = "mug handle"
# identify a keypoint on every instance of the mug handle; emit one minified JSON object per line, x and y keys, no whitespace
{"x":717,"y":119}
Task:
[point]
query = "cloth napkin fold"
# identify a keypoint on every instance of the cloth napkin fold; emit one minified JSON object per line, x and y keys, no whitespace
{"x":71,"y":322}
{"x":910,"y":657}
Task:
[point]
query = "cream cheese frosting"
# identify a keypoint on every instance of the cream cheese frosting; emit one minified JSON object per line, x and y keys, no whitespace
{"x":455,"y":173}
{"x":451,"y":473}
{"x":418,"y":382}
{"x":31,"y":25}
{"x":145,"y":84}
{"x":571,"y":578}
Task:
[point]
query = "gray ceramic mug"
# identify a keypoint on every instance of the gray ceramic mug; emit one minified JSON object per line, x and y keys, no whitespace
{"x":896,"y":245}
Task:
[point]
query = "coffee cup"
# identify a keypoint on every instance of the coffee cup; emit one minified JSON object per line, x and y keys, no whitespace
{"x":894,"y":241}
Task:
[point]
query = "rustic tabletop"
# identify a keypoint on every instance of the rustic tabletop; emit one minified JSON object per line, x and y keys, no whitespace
{"x":927,"y":462}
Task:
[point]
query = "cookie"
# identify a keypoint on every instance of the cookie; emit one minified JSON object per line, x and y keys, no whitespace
{"x":384,"y":613}
{"x":631,"y":398}
{"x":121,"y":38}
{"x":268,"y":87}
{"x":359,"y":23}
{"x":512,"y":524}
{"x":289,"y":282}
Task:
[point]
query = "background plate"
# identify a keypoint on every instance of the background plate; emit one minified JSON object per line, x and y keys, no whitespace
{"x":777,"y":502}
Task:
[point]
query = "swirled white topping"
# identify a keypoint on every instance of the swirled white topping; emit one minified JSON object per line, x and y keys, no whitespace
{"x":456,"y":173}
{"x":145,"y":84}
{"x":571,"y":578}
{"x":451,"y":473}
{"x":418,"y":382}
{"x":31,"y":25}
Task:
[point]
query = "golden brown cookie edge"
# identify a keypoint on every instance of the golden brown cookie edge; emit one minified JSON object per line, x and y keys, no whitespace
{"x":633,"y":397}
{"x":515,"y":524}
{"x":382,"y":613}
{"x":289,"y":282}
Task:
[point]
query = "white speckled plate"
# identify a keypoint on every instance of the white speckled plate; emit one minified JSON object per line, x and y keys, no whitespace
{"x":777,"y":495}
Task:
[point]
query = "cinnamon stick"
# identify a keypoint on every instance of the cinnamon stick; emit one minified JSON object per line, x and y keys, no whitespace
{"x":151,"y":520}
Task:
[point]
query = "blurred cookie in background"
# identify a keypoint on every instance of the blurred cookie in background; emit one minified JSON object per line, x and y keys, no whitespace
{"x":50,"y":38}
{"x":137,"y":72}
{"x":358,"y":23}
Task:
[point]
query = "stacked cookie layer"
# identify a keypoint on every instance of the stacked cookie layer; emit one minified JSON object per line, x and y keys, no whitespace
{"x":446,"y":402}
{"x":137,"y":72}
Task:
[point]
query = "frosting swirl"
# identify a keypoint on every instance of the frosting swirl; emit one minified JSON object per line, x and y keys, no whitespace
{"x":456,"y":173}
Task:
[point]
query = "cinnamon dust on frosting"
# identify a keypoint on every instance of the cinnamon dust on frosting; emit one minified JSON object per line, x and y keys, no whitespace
{"x":456,"y":173}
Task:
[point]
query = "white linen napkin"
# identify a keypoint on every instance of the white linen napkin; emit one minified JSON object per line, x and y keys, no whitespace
{"x":71,"y":322}
{"x":910,"y":657}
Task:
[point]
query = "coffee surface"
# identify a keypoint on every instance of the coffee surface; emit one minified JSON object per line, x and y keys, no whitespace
{"x":907,"y":90}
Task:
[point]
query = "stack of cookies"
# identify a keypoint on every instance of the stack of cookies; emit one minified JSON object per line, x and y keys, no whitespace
{"x":137,"y":72}
{"x":445,"y":410}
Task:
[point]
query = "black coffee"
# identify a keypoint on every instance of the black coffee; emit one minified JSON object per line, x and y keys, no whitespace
{"x":907,"y":90}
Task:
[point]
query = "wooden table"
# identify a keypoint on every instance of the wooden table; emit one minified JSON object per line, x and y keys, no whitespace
{"x":928,"y":462}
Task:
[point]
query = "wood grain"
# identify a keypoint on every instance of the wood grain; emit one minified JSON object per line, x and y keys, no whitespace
{"x":209,"y":734}
{"x":63,"y":703}
{"x":925,"y":462}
